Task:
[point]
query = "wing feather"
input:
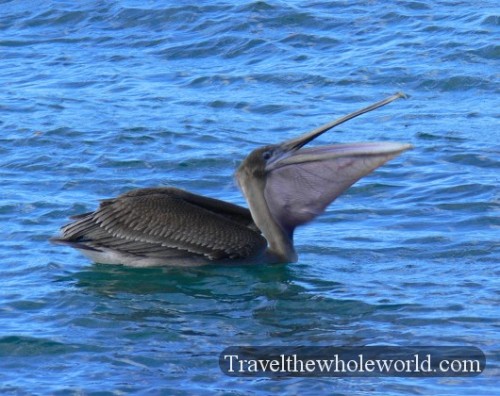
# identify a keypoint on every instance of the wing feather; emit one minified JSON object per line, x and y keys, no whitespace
{"x":156,"y":221}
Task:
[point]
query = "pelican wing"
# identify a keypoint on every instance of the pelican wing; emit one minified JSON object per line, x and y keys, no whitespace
{"x":165,"y":220}
{"x":300,"y":187}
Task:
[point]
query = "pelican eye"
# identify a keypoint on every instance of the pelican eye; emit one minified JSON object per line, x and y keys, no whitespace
{"x":266,"y":155}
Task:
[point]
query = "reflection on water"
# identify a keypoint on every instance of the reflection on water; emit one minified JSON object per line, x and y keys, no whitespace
{"x":274,"y":298}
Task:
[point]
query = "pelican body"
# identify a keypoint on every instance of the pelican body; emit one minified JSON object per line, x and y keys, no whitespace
{"x":285,"y":186}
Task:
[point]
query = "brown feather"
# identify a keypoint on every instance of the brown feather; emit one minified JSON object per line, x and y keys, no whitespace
{"x":158,"y":220}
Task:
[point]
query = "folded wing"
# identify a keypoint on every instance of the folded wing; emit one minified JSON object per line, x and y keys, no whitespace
{"x":169,"y":222}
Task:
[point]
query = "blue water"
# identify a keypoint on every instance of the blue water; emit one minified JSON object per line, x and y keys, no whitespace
{"x":99,"y":97}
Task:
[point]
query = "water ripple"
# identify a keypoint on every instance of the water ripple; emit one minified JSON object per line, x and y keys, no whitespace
{"x":103,"y":97}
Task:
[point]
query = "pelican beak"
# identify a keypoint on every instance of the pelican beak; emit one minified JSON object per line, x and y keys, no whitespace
{"x":334,"y":151}
{"x":297,"y":143}
{"x":291,"y":151}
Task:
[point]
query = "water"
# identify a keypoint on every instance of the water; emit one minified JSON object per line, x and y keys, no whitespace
{"x":101,"y":97}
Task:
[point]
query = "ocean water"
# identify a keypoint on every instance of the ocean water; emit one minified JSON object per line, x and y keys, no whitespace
{"x":99,"y":97}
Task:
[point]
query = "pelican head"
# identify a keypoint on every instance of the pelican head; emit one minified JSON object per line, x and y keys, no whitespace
{"x":287,"y":185}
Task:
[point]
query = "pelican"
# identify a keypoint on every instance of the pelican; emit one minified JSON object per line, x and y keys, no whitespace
{"x":285,"y":186}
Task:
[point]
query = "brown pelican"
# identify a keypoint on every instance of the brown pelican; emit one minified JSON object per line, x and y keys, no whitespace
{"x":284,"y":184}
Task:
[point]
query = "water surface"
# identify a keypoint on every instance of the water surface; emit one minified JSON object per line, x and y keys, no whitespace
{"x":102,"y":97}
